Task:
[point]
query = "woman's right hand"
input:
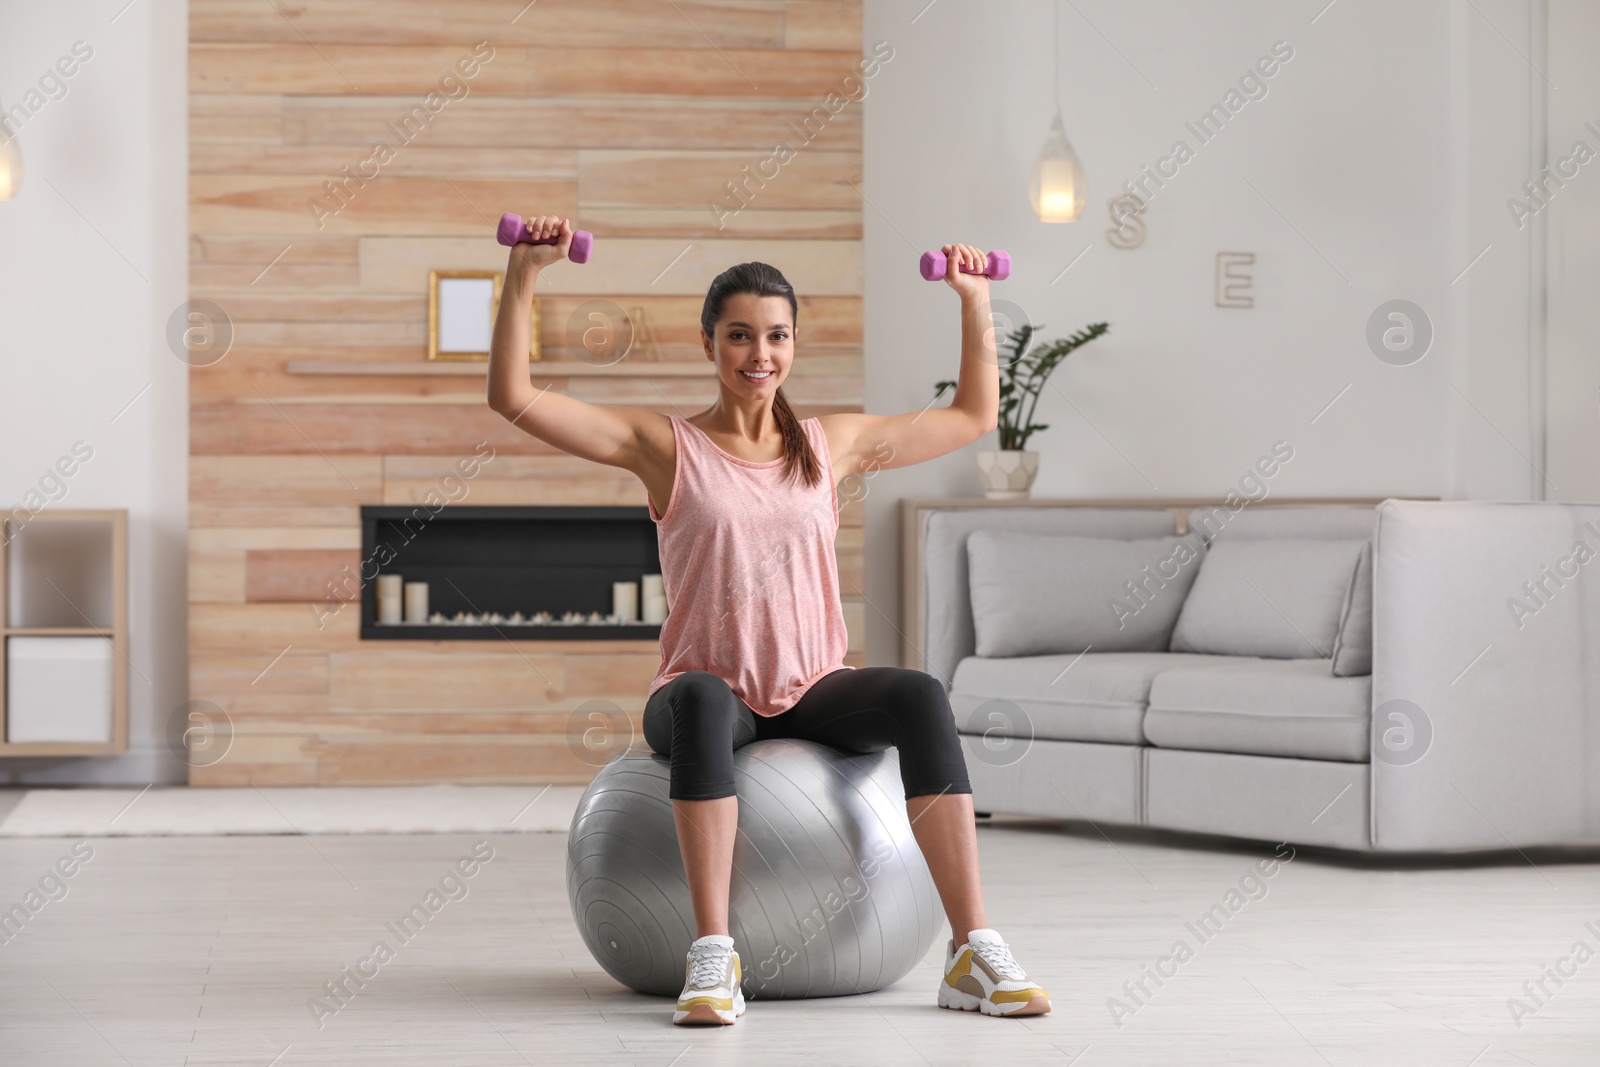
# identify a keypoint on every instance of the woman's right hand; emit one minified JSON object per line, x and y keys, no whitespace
{"x":533,"y":257}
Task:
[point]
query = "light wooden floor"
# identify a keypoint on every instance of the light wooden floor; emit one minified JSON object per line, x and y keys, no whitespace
{"x":194,"y":951}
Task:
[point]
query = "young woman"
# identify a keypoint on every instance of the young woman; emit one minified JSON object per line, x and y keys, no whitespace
{"x":744,"y":498}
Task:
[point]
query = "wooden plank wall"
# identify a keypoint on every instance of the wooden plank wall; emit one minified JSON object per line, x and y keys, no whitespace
{"x":628,"y":116}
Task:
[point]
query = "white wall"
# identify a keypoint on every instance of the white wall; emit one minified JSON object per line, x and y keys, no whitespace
{"x":1572,"y":248}
{"x":1376,"y":167}
{"x":93,"y":260}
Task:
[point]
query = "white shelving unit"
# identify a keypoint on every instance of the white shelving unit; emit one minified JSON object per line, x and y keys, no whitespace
{"x":64,"y":621}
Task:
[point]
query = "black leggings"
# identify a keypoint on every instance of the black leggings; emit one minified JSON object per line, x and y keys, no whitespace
{"x":697,"y":721}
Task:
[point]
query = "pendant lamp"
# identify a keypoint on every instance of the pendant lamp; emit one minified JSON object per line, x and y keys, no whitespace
{"x":10,"y":162}
{"x":1059,"y":188}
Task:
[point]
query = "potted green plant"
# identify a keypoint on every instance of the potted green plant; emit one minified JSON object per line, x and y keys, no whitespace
{"x":1008,"y":472}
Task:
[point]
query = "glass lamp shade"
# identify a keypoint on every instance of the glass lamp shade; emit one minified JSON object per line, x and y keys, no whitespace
{"x":10,"y":164}
{"x":1059,"y":188}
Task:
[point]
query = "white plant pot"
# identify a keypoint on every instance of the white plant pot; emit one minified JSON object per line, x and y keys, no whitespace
{"x":1007,"y":474}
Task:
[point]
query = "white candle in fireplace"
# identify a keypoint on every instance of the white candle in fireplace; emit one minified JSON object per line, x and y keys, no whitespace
{"x":389,"y":598}
{"x":655,"y":609}
{"x":651,"y":587}
{"x":625,"y":601}
{"x":416,"y":602}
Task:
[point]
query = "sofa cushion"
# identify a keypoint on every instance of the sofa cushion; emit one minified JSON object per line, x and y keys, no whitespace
{"x":1273,"y":597}
{"x":1093,"y":696}
{"x":1262,"y":707}
{"x":1332,"y":522}
{"x":1352,"y":650}
{"x":1036,"y":594}
{"x":947,"y":635}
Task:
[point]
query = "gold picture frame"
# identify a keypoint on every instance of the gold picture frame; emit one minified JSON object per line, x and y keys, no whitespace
{"x":461,"y":314}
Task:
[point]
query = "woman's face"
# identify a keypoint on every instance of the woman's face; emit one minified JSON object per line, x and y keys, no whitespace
{"x":753,"y":345}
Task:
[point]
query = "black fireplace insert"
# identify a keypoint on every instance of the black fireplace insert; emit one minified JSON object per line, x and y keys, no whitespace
{"x":545,"y":562}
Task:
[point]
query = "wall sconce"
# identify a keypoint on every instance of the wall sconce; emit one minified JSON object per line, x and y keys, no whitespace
{"x":1059,"y":188}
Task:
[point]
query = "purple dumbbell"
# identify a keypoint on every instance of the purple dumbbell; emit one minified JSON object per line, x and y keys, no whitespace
{"x":513,"y":231}
{"x":934,"y":266}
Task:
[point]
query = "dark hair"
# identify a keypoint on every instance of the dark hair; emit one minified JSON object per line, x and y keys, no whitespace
{"x":763,"y":279}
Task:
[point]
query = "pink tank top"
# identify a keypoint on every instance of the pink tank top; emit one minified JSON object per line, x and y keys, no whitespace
{"x":748,"y":565}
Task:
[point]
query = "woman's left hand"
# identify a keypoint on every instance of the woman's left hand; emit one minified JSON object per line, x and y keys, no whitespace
{"x":961,"y":258}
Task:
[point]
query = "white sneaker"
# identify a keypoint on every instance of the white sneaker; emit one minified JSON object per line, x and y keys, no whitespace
{"x":711,"y":983}
{"x":982,"y":975}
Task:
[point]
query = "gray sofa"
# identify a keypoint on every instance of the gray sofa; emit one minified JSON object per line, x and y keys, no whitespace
{"x":1410,"y":676}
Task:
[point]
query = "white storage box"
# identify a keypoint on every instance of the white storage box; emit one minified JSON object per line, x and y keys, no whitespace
{"x":58,"y":689}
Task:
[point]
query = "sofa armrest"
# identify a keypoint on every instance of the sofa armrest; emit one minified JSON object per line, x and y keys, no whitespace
{"x":1485,"y":675}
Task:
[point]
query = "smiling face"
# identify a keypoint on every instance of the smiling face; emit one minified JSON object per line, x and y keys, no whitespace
{"x":753,"y":345}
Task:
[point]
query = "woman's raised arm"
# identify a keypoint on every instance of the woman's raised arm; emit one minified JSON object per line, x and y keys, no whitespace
{"x":862,"y":441}
{"x":607,"y":434}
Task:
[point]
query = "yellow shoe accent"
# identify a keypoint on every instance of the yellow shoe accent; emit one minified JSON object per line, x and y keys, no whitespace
{"x":963,"y":965}
{"x":719,"y":1003}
